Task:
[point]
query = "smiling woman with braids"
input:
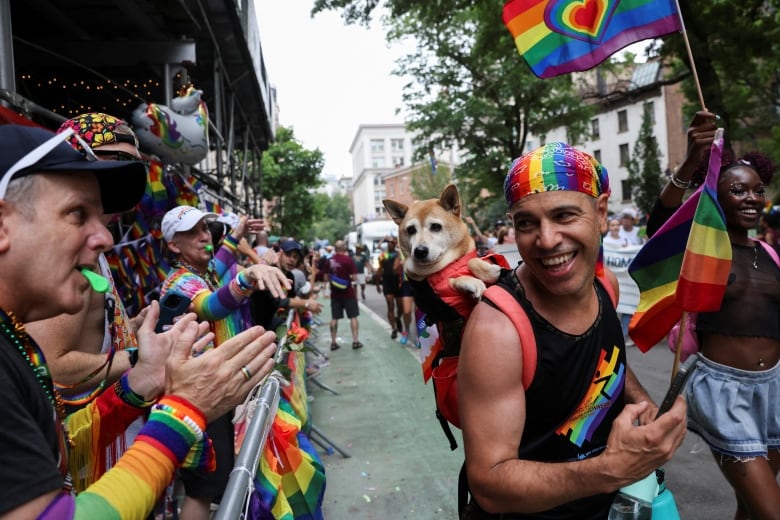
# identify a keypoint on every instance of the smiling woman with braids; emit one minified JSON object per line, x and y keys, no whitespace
{"x":732,"y":395}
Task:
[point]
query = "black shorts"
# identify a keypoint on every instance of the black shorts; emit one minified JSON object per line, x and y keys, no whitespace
{"x":339,"y":305}
{"x":406,"y":289}
{"x":391,"y":286}
{"x":199,"y":484}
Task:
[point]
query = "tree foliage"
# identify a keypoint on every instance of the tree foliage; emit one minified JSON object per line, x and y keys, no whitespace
{"x":736,"y":50}
{"x":290,"y":175}
{"x":472,"y":89}
{"x":427,"y":184}
{"x":333,"y":217}
{"x":644,"y":167}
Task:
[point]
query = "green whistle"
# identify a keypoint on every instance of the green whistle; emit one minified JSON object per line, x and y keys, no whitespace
{"x":99,"y":283}
{"x":209,"y":248}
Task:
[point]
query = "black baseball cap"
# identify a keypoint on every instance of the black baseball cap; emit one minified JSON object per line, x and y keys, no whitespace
{"x":26,"y":150}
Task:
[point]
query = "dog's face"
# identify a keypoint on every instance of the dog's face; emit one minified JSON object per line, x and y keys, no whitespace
{"x":431,"y":234}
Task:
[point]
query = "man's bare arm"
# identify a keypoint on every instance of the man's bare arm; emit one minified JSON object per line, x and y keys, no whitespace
{"x":72,"y":343}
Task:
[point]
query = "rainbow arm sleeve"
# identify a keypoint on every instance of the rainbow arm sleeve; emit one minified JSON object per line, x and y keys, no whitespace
{"x":208,"y":305}
{"x":226,"y":256}
{"x":129,"y":490}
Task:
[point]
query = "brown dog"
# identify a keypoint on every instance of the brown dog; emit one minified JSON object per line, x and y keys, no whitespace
{"x":433,"y":238}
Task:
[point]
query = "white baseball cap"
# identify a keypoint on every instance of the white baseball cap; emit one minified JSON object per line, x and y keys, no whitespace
{"x":182,"y":218}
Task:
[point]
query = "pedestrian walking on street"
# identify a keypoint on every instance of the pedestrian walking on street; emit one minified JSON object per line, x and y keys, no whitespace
{"x":341,"y":274}
{"x":390,"y":275}
{"x":362,"y":262}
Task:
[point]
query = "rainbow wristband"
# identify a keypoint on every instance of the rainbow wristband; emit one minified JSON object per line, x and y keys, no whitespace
{"x":179,"y":426}
{"x":126,"y":394}
{"x":243,"y":284}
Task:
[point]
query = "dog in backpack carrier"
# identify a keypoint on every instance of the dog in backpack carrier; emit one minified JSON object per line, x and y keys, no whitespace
{"x":441,"y":263}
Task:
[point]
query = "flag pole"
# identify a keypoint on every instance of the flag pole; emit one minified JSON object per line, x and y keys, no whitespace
{"x":678,"y":344}
{"x":690,"y":57}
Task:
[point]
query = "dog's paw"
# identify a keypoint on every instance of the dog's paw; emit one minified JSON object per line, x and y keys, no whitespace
{"x":485,"y":271}
{"x":470,"y":285}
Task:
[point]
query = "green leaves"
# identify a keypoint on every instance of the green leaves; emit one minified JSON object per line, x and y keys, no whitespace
{"x":291,"y":173}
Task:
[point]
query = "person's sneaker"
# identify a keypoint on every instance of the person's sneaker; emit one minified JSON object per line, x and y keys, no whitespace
{"x":404,"y":338}
{"x":356,"y":345}
{"x":335,"y":346}
{"x":394,"y":334}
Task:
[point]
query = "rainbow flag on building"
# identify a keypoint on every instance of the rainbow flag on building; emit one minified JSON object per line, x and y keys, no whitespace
{"x":562,"y":36}
{"x":685,"y":266}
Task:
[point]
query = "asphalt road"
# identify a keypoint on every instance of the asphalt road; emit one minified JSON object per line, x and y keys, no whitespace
{"x":699,"y":489}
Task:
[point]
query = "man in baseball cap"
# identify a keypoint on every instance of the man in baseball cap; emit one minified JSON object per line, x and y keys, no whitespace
{"x":25,"y":150}
{"x":182,"y":218}
{"x":53,"y":201}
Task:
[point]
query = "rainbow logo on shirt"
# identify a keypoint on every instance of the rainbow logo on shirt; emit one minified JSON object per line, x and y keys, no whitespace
{"x":606,"y":385}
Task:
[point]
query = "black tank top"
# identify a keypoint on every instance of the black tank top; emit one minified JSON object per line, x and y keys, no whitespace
{"x":751,"y":304}
{"x":576,"y":393}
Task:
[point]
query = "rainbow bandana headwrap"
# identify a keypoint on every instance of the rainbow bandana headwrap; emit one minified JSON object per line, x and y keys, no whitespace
{"x":554,"y":167}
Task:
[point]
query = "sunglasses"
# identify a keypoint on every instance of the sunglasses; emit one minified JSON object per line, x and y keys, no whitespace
{"x":32,"y":157}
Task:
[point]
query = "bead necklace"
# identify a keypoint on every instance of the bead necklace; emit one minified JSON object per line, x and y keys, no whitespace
{"x":755,"y":255}
{"x":14,"y":331}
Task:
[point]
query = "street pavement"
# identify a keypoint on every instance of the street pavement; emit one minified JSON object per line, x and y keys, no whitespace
{"x":400,"y":464}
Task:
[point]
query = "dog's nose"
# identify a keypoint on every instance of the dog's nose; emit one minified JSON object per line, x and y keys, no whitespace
{"x":421,"y":252}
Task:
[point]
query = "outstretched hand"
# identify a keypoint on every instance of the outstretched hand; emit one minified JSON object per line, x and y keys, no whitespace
{"x":268,"y":278}
{"x":147,"y":378}
{"x":633,"y":452}
{"x":214,"y":382}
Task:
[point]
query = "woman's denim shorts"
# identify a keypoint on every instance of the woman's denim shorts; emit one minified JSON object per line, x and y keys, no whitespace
{"x":736,"y":412}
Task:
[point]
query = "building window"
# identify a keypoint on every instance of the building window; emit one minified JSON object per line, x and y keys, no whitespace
{"x":378,"y":162}
{"x":397,"y":145}
{"x":398,"y":161}
{"x":377,"y":146}
{"x":624,"y":158}
{"x":597,"y":155}
{"x":625,"y":187}
{"x":542,"y":140}
{"x":649,"y":108}
{"x":622,"y":121}
{"x":594,"y":129}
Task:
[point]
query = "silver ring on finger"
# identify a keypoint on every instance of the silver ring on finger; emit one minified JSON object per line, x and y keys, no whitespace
{"x":246,"y":372}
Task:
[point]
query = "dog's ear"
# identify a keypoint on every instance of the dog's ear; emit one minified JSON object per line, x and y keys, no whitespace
{"x":450,"y":200}
{"x":396,"y":210}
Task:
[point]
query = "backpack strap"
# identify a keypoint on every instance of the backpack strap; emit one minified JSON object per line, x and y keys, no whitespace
{"x":770,"y":251}
{"x":506,"y":303}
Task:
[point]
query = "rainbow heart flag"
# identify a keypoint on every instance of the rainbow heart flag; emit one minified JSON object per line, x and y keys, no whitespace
{"x":561,"y":36}
{"x":685,"y":266}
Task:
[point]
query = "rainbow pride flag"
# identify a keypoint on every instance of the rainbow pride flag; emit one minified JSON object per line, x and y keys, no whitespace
{"x":685,"y":265}
{"x":561,"y":36}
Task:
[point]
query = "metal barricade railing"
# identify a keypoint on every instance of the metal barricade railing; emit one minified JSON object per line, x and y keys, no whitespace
{"x":267,"y":395}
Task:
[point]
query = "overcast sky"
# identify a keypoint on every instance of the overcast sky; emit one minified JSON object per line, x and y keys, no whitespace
{"x":330,"y":78}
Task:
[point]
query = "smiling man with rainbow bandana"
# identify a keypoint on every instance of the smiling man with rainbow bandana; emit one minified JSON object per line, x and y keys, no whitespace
{"x":561,"y":445}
